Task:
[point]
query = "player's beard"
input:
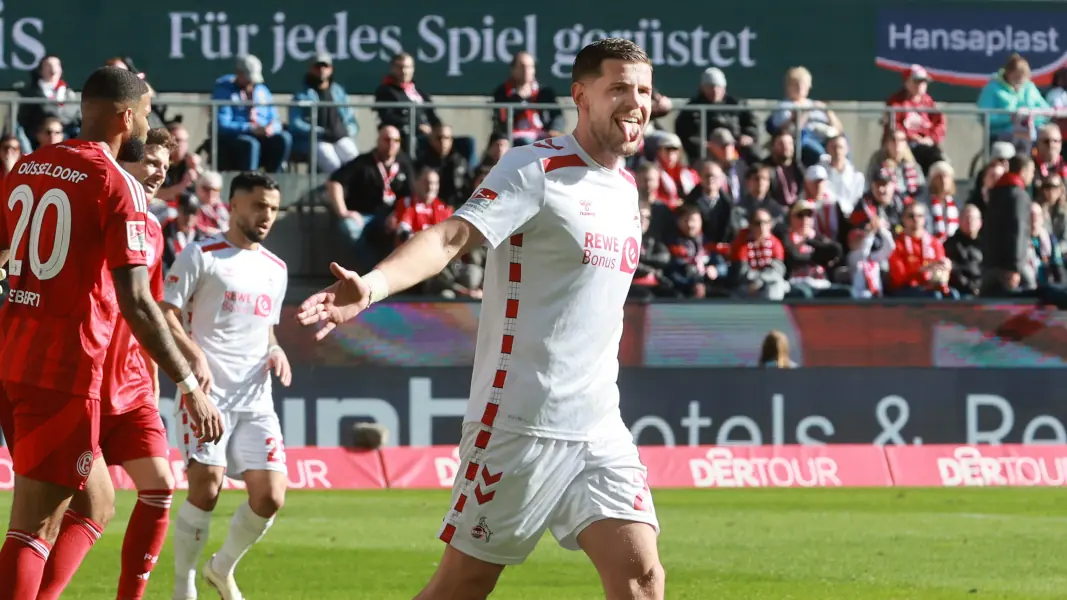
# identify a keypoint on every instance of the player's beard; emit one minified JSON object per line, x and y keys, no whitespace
{"x":252,"y":234}
{"x":132,"y":150}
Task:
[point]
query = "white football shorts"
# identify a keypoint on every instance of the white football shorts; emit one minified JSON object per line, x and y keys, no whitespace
{"x":511,"y":487}
{"x":251,"y":441}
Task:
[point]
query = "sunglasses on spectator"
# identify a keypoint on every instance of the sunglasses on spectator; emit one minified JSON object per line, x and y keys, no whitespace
{"x":916,"y":216}
{"x":442,"y":137}
{"x":9,"y":148}
{"x":1050,"y":140}
{"x":804,"y":213}
{"x":763,"y":222}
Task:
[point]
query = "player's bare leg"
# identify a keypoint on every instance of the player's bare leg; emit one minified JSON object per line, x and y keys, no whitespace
{"x":83,"y":523}
{"x":147,"y":530}
{"x":626,"y":557}
{"x":461,"y":577}
{"x":266,"y":496}
{"x":192,"y":525}
{"x":37,"y":509}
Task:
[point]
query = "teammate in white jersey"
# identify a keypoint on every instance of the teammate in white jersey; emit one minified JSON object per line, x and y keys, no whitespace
{"x":543,"y":446}
{"x":228,"y":290}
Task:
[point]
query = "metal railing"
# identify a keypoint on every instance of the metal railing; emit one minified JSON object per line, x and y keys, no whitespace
{"x":981,"y":115}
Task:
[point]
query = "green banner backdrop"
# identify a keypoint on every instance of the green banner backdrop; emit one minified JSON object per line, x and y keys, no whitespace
{"x":464,"y":47}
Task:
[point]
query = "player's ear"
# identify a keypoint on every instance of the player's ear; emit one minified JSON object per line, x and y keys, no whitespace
{"x":127,"y":118}
{"x":578,"y":92}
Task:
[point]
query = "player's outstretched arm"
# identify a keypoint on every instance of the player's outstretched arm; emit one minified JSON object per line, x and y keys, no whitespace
{"x":134,"y":292}
{"x":426,"y":254}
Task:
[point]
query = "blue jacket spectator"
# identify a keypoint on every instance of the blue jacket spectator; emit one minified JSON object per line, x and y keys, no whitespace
{"x":335,"y":126}
{"x":1011,"y":89}
{"x":252,"y":135}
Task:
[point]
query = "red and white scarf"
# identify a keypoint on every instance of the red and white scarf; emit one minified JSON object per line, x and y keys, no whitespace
{"x":676,"y":182}
{"x":827,"y":216}
{"x":388,"y":175}
{"x":921,"y":248}
{"x":946,"y":216}
{"x":528,"y":121}
{"x":907,"y":172}
{"x":1056,"y":167}
{"x":790,"y":187}
{"x":872,"y":274}
{"x":813,"y":271}
{"x":407,"y":87}
{"x":760,"y":253}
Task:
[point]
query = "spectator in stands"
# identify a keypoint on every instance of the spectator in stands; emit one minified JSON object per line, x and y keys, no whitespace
{"x":880,"y":201}
{"x":399,"y":86}
{"x":649,"y":279}
{"x":810,"y":256}
{"x":10,"y":153}
{"x":676,"y":178}
{"x":775,"y":351}
{"x":828,"y":215}
{"x":714,"y":204}
{"x":214,"y":214}
{"x":798,"y":113}
{"x":251,"y":135}
{"x":940,"y":200}
{"x":846,"y":184}
{"x":917,"y":266}
{"x":50,"y":132}
{"x":1048,"y":158}
{"x":362,"y":193}
{"x":1006,"y":235}
{"x":422,"y":209}
{"x":722,"y":149}
{"x":965,"y":253}
{"x":1012,"y":90}
{"x":185,"y":167}
{"x":1045,"y":251}
{"x":895,"y":156}
{"x":462,"y":277}
{"x":529,"y":123}
{"x":991,"y":174}
{"x":661,"y":107}
{"x":497,"y":146}
{"x":1052,"y":198}
{"x":1056,"y":97}
{"x":787,"y":178}
{"x":924,"y":130}
{"x":158,"y":117}
{"x":870,"y":247}
{"x":739,"y":121}
{"x":647,"y":178}
{"x":335,"y":126}
{"x":449,"y":164}
{"x":46,"y":83}
{"x":692,"y":268}
{"x":759,"y":260}
{"x":181,"y":230}
{"x":478,"y":175}
{"x":757,"y":196}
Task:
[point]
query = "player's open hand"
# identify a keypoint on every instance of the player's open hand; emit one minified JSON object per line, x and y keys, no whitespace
{"x":279,"y":363}
{"x":204,"y":417}
{"x":336,"y":304}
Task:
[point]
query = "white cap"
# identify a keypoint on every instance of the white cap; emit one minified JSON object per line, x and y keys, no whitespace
{"x":816,"y":173}
{"x":251,"y":66}
{"x":713,"y":76}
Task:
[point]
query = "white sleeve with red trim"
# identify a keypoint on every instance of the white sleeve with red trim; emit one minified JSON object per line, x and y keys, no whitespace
{"x":511,"y":195}
{"x":183,"y":277}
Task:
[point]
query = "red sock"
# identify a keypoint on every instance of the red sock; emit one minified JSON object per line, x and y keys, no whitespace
{"x":76,"y":537}
{"x":144,"y":539}
{"x":22,"y":561}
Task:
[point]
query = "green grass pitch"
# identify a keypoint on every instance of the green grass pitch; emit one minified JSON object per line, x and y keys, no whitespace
{"x":825,"y":544}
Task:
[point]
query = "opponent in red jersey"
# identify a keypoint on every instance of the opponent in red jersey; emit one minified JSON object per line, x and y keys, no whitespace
{"x":71,"y":215}
{"x":131,"y":429}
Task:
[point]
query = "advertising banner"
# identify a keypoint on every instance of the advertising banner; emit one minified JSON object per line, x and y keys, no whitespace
{"x":466,"y":47}
{"x":683,"y":467}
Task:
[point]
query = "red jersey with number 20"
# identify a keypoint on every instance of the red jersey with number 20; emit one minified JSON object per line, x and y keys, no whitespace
{"x":127,"y":379}
{"x":70,"y":214}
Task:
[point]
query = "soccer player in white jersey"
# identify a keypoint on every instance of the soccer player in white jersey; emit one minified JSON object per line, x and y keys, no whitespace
{"x":544,"y":446}
{"x":230,"y":290}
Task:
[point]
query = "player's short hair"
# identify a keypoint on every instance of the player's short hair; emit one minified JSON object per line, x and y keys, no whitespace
{"x":112,"y":84}
{"x":159,"y":136}
{"x":248,"y":181}
{"x":587,"y":64}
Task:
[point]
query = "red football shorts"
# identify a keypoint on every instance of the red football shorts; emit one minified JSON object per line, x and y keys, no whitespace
{"x":53,"y":436}
{"x":131,"y":435}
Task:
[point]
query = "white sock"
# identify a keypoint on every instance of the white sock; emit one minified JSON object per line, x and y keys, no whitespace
{"x":191,"y":530}
{"x":246,"y":529}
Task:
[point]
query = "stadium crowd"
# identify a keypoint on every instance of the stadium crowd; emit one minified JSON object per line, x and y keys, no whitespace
{"x":778,"y":209}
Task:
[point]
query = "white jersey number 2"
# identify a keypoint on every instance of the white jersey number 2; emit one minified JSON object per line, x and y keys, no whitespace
{"x":56,"y":198}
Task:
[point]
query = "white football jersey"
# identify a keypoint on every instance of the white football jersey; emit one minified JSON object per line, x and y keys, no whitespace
{"x":230,"y":298}
{"x":565,"y":240}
